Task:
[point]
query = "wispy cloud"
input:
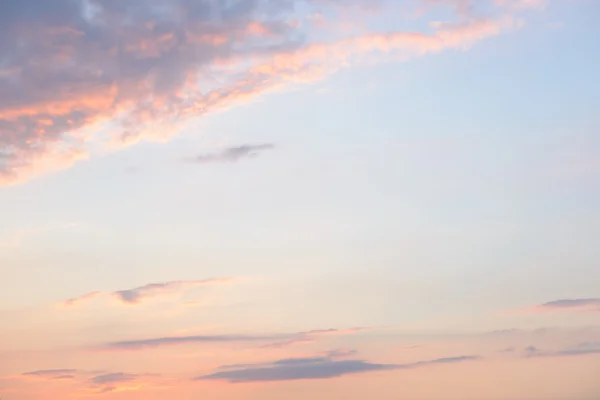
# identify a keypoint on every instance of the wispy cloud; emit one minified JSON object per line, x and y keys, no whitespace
{"x":581,"y":349}
{"x":311,"y":336}
{"x":116,"y":381}
{"x":139,"y":344}
{"x":572,"y":303}
{"x":135,"y":296}
{"x":340,"y":353}
{"x":151,"y":290}
{"x":76,"y":65}
{"x":53,"y":374}
{"x":315,"y":368}
{"x":586,"y":305}
{"x":81,"y":299}
{"x":232,"y":154}
{"x":277,"y":340}
{"x":98,"y":382}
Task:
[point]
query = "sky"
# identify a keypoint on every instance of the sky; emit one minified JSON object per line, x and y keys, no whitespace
{"x":326,"y":199}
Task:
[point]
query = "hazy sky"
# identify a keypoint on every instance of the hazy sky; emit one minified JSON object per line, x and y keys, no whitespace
{"x":293,"y":199}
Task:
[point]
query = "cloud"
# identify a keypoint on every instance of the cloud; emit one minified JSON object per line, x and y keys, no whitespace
{"x":311,"y":336}
{"x":112,"y":378}
{"x":80,"y":78}
{"x":139,"y":294}
{"x":565,"y":305}
{"x":98,"y":382}
{"x":315,"y":368}
{"x":52,"y":373}
{"x":82,"y":298}
{"x":280,"y":340}
{"x":178,"y":340}
{"x":572,"y":303}
{"x":340,"y":353}
{"x":135,"y":296}
{"x":232,"y":154}
{"x":582,"y":349}
{"x":121,"y":382}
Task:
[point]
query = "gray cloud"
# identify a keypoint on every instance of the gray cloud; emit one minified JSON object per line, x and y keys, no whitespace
{"x":177,"y":340}
{"x":232,"y":154}
{"x":64,"y":377}
{"x":572,"y":303}
{"x":97,"y":381}
{"x":280,"y":339}
{"x":110,"y":382}
{"x":311,"y":336}
{"x":340,"y":353}
{"x":137,"y":295}
{"x":581,"y":349}
{"x":314,"y":368}
{"x":112,"y":378}
{"x":51,"y":373}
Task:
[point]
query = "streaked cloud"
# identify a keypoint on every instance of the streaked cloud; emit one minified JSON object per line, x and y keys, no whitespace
{"x":232,"y":154}
{"x":179,"y":340}
{"x":581,"y":349}
{"x":340,"y":353}
{"x":151,"y":290}
{"x":572,"y":303}
{"x":278,"y":340}
{"x":135,"y":296}
{"x":139,"y":72}
{"x":315,"y":368}
{"x":81,"y":299}
{"x":311,"y":336}
{"x":584,"y":305}
{"x":111,"y":382}
{"x":99,"y":382}
{"x":54,"y":374}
